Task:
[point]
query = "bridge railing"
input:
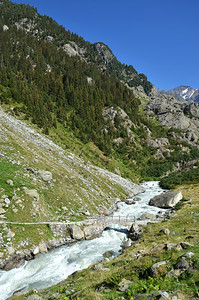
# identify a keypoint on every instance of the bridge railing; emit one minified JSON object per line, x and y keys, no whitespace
{"x":114,"y":219}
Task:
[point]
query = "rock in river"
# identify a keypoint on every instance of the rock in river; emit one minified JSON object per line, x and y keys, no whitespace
{"x":166,"y":200}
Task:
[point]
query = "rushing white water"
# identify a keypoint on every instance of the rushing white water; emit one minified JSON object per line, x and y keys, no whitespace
{"x":56,"y":265}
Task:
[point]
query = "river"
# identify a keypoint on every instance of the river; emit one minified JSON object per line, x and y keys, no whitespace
{"x":58,"y":264}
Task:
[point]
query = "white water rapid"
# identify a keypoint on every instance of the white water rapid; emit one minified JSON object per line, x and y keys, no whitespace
{"x":56,"y":265}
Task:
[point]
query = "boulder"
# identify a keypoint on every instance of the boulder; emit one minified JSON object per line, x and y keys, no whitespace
{"x":43,"y":248}
{"x":186,"y":245}
{"x":10,"y":234}
{"x":10,"y":250}
{"x":32,"y":193}
{"x":124,"y":285}
{"x":182,"y":264}
{"x":94,"y":230}
{"x":5,"y":28}
{"x":108,"y":254}
{"x":126,"y":244}
{"x":137,"y":190}
{"x":36,"y":250}
{"x":7,"y":201}
{"x":10,"y":182}
{"x":13,"y":262}
{"x":158,"y":269}
{"x":166,"y":200}
{"x":45,"y":175}
{"x":76,"y":232}
{"x":147,"y":216}
{"x":134,"y":232}
{"x":130,"y":201}
{"x":2,"y":211}
{"x":166,"y":231}
{"x":137,"y":199}
{"x":176,"y":247}
{"x":188,"y":254}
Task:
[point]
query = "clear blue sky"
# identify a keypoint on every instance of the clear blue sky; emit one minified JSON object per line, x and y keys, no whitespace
{"x":160,"y":38}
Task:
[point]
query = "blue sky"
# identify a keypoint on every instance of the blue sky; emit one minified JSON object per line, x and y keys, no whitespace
{"x":160,"y":38}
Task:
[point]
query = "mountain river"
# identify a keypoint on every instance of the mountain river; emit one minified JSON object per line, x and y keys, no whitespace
{"x":58,"y":264}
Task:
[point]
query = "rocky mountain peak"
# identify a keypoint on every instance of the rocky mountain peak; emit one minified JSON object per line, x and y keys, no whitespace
{"x":104,"y":51}
{"x":186,"y":93}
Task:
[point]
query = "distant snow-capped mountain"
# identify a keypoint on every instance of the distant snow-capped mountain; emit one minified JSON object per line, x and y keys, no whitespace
{"x":186,"y":93}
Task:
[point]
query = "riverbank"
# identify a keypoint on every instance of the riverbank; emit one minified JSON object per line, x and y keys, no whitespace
{"x":78,"y":232}
{"x":175,"y":257}
{"x":64,"y":233}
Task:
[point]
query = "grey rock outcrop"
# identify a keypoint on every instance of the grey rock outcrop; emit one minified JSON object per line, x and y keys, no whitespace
{"x":177,"y":114}
{"x":91,"y":231}
{"x":134,"y":232}
{"x":112,"y":115}
{"x":104,"y":52}
{"x":166,"y":200}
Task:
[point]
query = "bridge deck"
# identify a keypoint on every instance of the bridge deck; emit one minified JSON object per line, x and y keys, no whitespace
{"x":122,"y":220}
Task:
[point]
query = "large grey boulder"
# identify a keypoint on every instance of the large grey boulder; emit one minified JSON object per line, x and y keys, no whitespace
{"x":76,"y":232}
{"x":134,"y":232}
{"x":166,"y":200}
{"x":93,"y":230}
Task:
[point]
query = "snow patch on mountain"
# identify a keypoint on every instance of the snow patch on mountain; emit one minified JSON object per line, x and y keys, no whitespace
{"x":186,"y":93}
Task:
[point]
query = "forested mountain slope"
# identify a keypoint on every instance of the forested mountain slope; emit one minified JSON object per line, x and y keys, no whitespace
{"x":54,"y":78}
{"x":74,"y":122}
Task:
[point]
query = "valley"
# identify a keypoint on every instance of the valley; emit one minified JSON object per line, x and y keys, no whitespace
{"x":80,"y":135}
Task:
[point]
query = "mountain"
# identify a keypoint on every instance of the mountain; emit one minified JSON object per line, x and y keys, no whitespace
{"x":77,"y":128}
{"x":184,"y":92}
{"x":27,"y":19}
{"x":55,"y":79}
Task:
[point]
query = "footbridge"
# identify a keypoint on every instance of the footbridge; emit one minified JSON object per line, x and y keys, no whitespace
{"x":102,"y":220}
{"x":107,"y":221}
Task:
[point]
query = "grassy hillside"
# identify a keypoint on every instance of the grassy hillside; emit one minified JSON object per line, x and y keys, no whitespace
{"x":76,"y":184}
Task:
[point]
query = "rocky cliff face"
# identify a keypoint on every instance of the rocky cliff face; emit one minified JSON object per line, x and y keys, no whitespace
{"x":177,"y":114}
